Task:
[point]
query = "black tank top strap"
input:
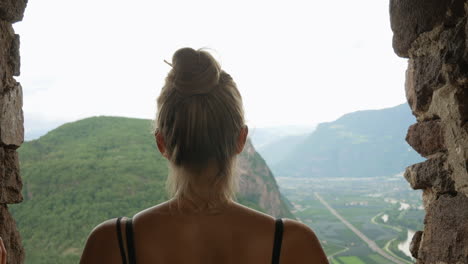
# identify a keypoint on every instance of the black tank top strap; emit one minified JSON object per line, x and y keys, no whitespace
{"x":130,"y":242}
{"x":277,"y":241}
{"x":119,"y":236}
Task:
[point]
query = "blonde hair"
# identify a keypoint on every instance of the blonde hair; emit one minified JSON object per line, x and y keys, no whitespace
{"x":200,"y":116}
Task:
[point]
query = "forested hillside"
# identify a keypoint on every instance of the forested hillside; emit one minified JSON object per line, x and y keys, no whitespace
{"x":85,"y":172}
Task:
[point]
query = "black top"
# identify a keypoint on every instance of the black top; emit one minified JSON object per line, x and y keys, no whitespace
{"x":131,"y":244}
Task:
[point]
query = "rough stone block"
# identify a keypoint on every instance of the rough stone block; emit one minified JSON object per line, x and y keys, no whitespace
{"x":430,"y":174}
{"x":12,"y":10}
{"x":410,"y":18}
{"x":409,"y":88}
{"x":414,"y":246}
{"x":423,"y":78}
{"x":14,"y":56}
{"x":11,"y":117}
{"x":445,"y":237}
{"x":11,"y":237}
{"x":427,"y":137}
{"x":9,"y":56}
{"x":454,"y":52}
{"x":428,"y":196}
{"x":10,"y":180}
{"x":437,"y":58}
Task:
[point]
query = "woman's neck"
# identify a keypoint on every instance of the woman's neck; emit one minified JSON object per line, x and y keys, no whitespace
{"x":201,"y":195}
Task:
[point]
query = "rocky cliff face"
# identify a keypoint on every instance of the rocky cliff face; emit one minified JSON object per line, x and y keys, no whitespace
{"x":11,"y":125}
{"x":257,"y":183}
{"x":433,"y":34}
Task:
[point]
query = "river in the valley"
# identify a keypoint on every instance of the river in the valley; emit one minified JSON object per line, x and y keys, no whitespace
{"x":404,"y":246}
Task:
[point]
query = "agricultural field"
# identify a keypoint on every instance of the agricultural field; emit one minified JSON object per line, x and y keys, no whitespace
{"x":384,"y":209}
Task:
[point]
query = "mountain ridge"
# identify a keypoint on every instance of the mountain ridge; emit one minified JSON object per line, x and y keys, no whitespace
{"x":365,"y":143}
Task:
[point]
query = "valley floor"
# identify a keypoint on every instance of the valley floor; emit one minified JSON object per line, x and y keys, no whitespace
{"x":364,"y":220}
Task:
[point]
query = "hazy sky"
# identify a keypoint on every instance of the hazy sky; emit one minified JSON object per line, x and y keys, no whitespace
{"x":295,"y":62}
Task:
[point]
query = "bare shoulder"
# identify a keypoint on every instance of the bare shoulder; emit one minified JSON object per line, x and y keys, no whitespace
{"x":300,"y":244}
{"x":102,"y":245}
{"x":251,"y":213}
{"x":297,"y":230}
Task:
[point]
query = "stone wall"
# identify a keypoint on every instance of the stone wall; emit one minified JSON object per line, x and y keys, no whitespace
{"x":433,"y":34}
{"x":11,"y":125}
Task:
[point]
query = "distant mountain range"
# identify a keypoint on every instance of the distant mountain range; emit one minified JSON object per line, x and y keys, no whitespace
{"x":85,"y":172}
{"x":264,"y":136}
{"x":361,"y":144}
{"x":282,"y":147}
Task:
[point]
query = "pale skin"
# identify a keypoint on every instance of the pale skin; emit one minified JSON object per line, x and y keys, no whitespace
{"x":235,"y":235}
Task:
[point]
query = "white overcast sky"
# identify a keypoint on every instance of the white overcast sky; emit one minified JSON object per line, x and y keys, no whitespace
{"x":295,"y":62}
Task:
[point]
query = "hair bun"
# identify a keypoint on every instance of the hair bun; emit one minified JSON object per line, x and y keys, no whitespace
{"x":194,"y":71}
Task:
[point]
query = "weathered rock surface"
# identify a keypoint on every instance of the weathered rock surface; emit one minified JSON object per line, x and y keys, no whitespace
{"x":423,"y":77}
{"x":446,"y":105}
{"x":14,"y":57}
{"x":257,"y":182}
{"x":426,"y":138}
{"x":414,"y":246}
{"x":11,"y":117}
{"x":10,"y":180}
{"x":12,"y":10}
{"x":434,"y":35}
{"x":445,"y":238}
{"x":430,"y":173}
{"x":410,"y":18}
{"x":437,"y":58}
{"x":11,"y":237}
{"x":11,"y":125}
{"x":428,"y":196}
{"x":461,"y":97}
{"x":9,"y":56}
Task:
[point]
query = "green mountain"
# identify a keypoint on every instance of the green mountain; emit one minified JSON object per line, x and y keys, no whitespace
{"x":85,"y":172}
{"x":361,"y":144}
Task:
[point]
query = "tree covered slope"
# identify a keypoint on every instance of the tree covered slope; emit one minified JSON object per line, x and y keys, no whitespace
{"x":85,"y":172}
